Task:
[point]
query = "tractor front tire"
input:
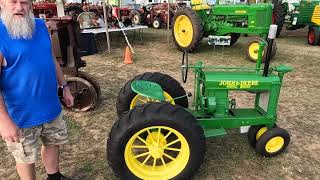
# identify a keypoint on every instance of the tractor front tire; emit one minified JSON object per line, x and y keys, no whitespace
{"x":253,"y":48}
{"x":278,"y":15}
{"x":187,"y":30}
{"x":127,"y":99}
{"x":157,"y":23}
{"x":156,"y":141}
{"x":272,"y":142}
{"x":234,"y":38}
{"x":136,"y":17}
{"x":313,"y":36}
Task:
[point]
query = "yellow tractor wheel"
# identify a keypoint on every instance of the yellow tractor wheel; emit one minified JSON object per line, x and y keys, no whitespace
{"x":127,"y":99}
{"x":252,"y":49}
{"x":156,"y":141}
{"x":272,"y":142}
{"x":187,"y":29}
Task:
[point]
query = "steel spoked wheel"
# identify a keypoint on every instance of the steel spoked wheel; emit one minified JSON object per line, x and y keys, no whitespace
{"x":92,"y":81}
{"x":85,"y":96}
{"x":164,"y":152}
{"x":272,"y":142}
{"x":156,"y":141}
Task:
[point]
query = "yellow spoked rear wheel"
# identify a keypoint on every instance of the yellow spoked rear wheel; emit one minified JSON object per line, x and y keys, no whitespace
{"x":183,"y":30}
{"x":157,"y":152}
{"x":139,"y":100}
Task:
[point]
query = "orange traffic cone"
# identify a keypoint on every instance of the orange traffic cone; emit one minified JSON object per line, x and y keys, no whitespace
{"x":127,"y":56}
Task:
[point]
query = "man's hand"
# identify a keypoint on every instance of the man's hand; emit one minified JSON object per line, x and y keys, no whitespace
{"x":9,"y":131}
{"x":67,"y":97}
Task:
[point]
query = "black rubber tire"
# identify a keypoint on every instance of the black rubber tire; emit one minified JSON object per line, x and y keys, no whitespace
{"x":269,"y":134}
{"x":253,"y":130}
{"x":252,"y":134}
{"x":234,"y":38}
{"x":196,"y":26}
{"x":316,"y":32}
{"x":92,"y":81}
{"x":279,"y":15}
{"x":159,"y":23}
{"x":257,"y":40}
{"x":168,"y":84}
{"x":135,"y":13}
{"x":155,"y":114}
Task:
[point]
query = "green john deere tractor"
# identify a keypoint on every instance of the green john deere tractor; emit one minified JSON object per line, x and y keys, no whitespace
{"x":222,"y":24}
{"x":158,"y":137}
{"x":299,"y":14}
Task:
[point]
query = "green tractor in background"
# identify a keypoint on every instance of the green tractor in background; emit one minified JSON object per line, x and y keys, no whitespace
{"x":222,"y":24}
{"x":298,"y":14}
{"x":158,"y":136}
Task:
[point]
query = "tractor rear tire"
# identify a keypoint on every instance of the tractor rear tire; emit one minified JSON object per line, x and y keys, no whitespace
{"x":253,"y":47}
{"x":272,"y":142}
{"x":136,"y":17}
{"x":313,"y":36}
{"x":234,"y":38}
{"x":133,"y":149}
{"x":187,"y":30}
{"x":157,"y":23}
{"x":278,"y":15}
{"x":168,"y":84}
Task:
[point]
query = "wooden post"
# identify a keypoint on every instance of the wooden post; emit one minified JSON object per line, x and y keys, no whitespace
{"x":106,"y":22}
{"x":168,"y":23}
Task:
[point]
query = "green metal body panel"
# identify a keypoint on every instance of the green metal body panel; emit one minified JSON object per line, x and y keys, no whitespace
{"x":211,"y":105}
{"x":243,"y":19}
{"x":306,"y":10}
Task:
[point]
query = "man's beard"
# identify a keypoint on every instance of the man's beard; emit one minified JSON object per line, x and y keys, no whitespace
{"x":18,"y":28}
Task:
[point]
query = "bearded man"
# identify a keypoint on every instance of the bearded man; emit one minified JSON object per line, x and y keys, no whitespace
{"x":29,"y":105}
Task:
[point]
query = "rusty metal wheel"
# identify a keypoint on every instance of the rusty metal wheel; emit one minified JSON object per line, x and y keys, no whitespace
{"x":92,"y":81}
{"x":85,"y":96}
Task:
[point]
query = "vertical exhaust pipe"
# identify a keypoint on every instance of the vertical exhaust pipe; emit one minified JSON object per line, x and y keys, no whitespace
{"x":271,"y":36}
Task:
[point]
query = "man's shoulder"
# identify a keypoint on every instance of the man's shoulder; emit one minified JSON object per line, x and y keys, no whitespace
{"x":39,"y":21}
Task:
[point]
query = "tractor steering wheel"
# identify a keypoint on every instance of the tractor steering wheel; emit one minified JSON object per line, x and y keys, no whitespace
{"x":184,"y":66}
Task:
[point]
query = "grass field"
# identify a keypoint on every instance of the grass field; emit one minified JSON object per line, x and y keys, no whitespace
{"x":228,"y":157}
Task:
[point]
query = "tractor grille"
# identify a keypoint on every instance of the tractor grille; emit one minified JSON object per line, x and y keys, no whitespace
{"x":316,"y":15}
{"x":261,"y":19}
{"x":306,"y":12}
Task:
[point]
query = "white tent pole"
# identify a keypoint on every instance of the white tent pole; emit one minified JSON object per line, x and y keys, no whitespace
{"x":106,"y":22}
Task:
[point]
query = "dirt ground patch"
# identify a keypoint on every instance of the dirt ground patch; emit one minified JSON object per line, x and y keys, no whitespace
{"x":228,"y":157}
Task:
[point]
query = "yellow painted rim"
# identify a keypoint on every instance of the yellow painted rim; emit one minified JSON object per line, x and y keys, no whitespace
{"x":183,"y":31}
{"x":138,"y":100}
{"x":157,"y":152}
{"x":274,"y":144}
{"x":260,"y":132}
{"x":254,"y":51}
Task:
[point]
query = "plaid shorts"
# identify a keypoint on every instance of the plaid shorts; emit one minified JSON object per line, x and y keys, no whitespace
{"x":52,"y":133}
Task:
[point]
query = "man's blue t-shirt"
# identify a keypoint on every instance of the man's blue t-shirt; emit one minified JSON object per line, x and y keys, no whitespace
{"x":28,"y":82}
